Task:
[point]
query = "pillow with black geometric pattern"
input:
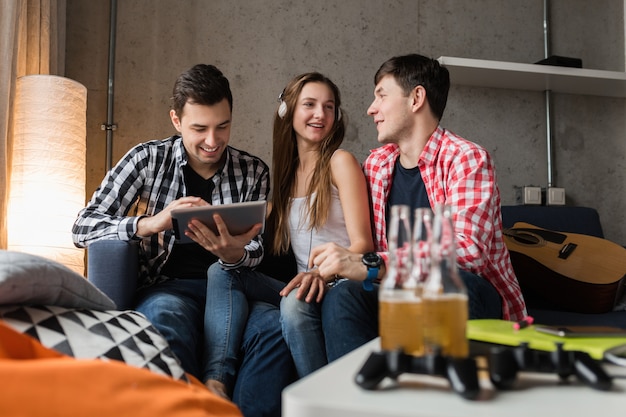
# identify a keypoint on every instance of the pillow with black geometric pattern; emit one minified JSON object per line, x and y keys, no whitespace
{"x":125,"y":336}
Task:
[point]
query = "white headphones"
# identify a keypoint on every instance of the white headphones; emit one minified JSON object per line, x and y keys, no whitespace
{"x":282,"y":109}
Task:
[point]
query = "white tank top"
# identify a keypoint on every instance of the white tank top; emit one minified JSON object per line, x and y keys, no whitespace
{"x":303,"y":239}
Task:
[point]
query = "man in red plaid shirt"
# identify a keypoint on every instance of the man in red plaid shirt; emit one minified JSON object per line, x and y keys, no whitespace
{"x":420,"y":164}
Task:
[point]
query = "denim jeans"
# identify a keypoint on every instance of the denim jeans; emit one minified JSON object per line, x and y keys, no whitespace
{"x":483,"y":298}
{"x":228,"y":293}
{"x":349,"y":317}
{"x":177,"y":308}
{"x":350,"y":314}
{"x":266,"y":367}
{"x":302,"y":329}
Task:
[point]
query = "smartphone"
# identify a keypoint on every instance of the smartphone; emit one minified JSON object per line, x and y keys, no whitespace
{"x":582,"y":331}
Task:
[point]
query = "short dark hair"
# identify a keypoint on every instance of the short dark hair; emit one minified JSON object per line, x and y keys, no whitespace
{"x":201,"y":84}
{"x":412,"y":70}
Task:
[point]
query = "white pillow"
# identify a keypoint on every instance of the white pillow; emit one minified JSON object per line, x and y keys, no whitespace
{"x":27,"y":279}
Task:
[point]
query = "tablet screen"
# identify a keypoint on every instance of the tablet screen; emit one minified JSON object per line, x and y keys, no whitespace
{"x":239,"y":217}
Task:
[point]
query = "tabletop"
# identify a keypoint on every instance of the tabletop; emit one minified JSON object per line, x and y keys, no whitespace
{"x":332,"y":392}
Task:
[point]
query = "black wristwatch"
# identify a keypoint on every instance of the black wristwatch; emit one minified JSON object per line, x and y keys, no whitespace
{"x":372,"y":261}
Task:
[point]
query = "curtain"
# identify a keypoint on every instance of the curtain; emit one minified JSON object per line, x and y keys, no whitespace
{"x":32,"y":41}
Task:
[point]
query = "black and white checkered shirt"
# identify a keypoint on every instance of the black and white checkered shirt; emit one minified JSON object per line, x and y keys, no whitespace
{"x":145,"y":181}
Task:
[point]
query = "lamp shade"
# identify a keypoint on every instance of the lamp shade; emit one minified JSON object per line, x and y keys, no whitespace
{"x":48,"y":159}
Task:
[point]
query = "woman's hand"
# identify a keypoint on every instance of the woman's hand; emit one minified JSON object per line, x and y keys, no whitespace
{"x":310,"y":286}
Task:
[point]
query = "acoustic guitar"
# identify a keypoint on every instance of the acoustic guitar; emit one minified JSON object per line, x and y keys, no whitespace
{"x":571,"y":271}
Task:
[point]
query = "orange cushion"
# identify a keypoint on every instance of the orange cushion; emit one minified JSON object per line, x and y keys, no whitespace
{"x":43,"y":382}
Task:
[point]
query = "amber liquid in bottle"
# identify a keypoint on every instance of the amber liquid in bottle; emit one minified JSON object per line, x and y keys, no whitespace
{"x":445,"y":306}
{"x":400,"y":306}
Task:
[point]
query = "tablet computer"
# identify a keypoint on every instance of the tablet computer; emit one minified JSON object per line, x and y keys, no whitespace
{"x":239,"y":217}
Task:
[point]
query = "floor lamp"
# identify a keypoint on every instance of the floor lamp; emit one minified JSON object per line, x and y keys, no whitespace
{"x":47,"y":187}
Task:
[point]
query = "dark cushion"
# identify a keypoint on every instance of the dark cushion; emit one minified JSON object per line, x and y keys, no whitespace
{"x":581,"y":220}
{"x":555,"y":317}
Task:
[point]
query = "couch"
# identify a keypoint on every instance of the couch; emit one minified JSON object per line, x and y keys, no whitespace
{"x":118,"y":279}
{"x":569,"y":219}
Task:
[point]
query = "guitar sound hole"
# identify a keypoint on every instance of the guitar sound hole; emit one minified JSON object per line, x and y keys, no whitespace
{"x":527,"y":239}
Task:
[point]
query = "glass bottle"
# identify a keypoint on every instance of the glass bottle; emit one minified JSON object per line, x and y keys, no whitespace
{"x":445,"y":307}
{"x":399,"y":305}
{"x":420,"y":247}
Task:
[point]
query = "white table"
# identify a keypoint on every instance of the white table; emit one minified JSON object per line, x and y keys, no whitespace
{"x":332,"y":392}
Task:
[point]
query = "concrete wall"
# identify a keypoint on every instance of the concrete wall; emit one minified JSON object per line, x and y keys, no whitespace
{"x":261,"y":44}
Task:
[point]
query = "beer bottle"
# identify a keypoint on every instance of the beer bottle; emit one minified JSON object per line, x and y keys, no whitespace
{"x":420,"y":247}
{"x":399,"y":304}
{"x":445,"y":308}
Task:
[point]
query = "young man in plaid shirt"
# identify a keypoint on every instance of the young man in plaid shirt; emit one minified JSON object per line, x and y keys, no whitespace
{"x":193,"y":168}
{"x":420,"y":164}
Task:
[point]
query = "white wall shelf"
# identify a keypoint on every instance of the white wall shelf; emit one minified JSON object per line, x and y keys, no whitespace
{"x":535,"y":77}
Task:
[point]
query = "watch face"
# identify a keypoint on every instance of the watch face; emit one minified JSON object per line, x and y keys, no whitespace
{"x":372,"y":259}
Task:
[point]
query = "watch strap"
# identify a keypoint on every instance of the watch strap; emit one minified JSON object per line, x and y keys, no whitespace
{"x":372,"y":274}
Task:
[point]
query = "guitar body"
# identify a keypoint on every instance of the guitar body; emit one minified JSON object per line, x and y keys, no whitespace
{"x":569,"y":271}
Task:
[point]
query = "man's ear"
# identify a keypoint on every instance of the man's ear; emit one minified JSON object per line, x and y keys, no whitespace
{"x":175,"y":120}
{"x":418,"y":98}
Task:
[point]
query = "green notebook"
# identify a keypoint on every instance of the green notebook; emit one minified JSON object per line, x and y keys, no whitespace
{"x":503,"y":333}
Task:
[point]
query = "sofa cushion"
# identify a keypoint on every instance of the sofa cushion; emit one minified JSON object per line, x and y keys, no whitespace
{"x":29,"y":279}
{"x":561,"y":318}
{"x":572,"y":219}
{"x":38,"y":381}
{"x":125,"y":336}
{"x":118,"y":280}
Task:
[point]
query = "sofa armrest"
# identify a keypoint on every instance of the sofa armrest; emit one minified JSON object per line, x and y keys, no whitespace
{"x":113,"y":267}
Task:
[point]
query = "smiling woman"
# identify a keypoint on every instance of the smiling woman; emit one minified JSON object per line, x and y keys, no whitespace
{"x":319,"y":196}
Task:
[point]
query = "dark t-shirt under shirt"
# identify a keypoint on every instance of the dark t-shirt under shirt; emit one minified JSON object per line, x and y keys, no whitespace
{"x":407,"y":187}
{"x":191,"y":260}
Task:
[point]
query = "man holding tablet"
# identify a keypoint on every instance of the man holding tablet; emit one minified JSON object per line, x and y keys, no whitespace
{"x":194,"y":168}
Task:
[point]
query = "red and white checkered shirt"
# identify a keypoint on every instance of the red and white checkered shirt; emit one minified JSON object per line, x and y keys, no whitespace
{"x":461,"y":174}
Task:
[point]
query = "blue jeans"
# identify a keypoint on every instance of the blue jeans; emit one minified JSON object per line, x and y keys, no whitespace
{"x":266,"y":367}
{"x":227,"y":295}
{"x":350,"y":314}
{"x":302,"y":330}
{"x":349,"y":317}
{"x":176,"y":309}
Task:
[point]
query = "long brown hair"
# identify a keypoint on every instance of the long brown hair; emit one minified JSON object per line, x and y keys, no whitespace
{"x":285,"y":163}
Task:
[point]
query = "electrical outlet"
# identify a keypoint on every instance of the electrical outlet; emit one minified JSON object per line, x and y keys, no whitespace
{"x":528,"y":195}
{"x":556,"y":196}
